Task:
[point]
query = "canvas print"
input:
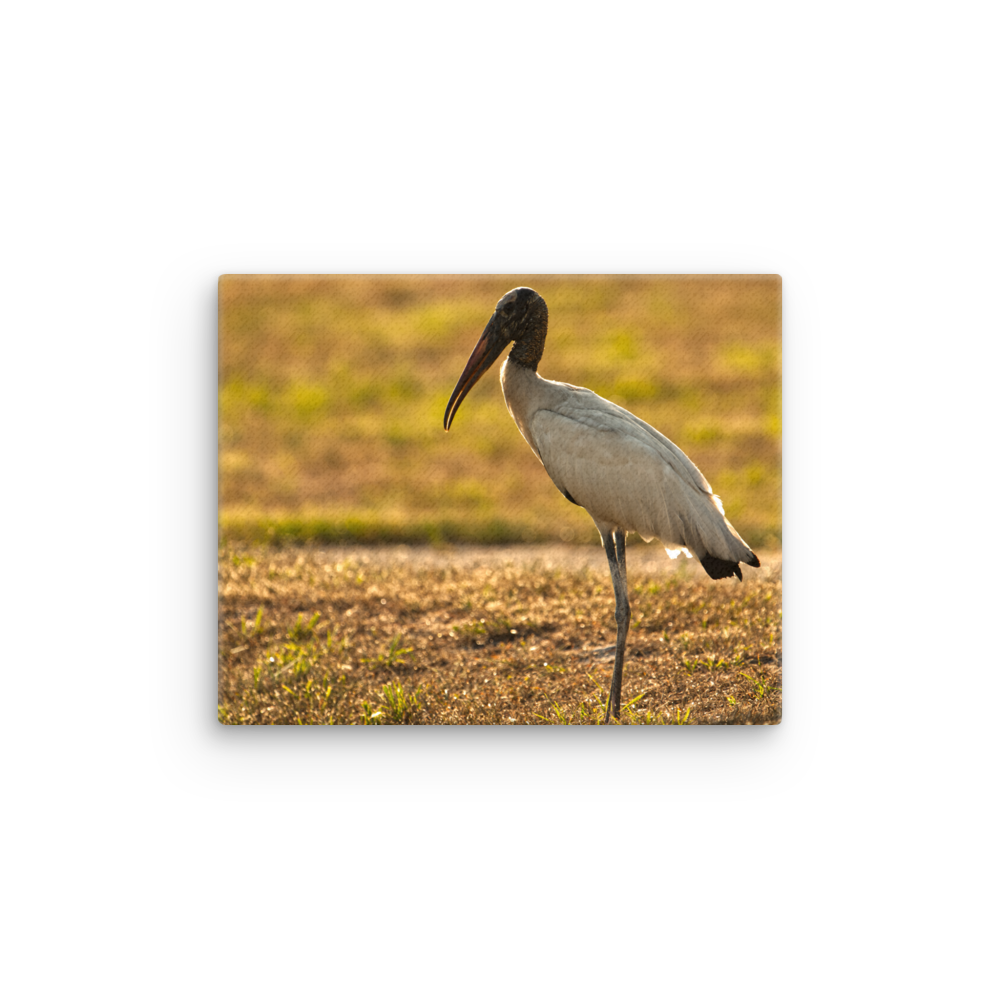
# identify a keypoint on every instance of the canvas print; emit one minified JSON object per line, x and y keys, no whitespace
{"x":500,"y":500}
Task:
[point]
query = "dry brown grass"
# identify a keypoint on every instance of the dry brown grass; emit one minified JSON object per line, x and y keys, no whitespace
{"x":335,"y":636}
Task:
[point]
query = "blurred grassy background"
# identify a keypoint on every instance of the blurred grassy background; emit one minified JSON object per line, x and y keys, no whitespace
{"x":332,"y":393}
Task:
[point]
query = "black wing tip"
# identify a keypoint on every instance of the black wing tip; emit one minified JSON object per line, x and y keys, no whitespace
{"x":719,"y":569}
{"x":753,"y":560}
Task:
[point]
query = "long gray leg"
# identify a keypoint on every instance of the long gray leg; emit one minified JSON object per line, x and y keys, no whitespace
{"x":614,"y":548}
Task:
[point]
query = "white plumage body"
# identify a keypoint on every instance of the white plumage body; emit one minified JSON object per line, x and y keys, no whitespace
{"x":624,"y":472}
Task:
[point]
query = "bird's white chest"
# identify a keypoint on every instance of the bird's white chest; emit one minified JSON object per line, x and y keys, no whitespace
{"x":521,"y":394}
{"x":525,"y":392}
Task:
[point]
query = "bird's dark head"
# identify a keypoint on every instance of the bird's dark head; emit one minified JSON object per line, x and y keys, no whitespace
{"x":521,"y":317}
{"x":519,"y":313}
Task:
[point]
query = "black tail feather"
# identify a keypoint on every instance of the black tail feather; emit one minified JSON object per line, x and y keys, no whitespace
{"x":718,"y":569}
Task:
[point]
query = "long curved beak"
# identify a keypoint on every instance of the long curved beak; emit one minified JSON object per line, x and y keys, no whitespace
{"x":489,"y":348}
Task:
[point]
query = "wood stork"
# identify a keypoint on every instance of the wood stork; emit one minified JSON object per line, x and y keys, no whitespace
{"x":622,"y":471}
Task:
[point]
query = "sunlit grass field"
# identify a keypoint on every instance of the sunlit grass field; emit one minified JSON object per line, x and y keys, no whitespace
{"x":315,"y":635}
{"x":332,"y":393}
